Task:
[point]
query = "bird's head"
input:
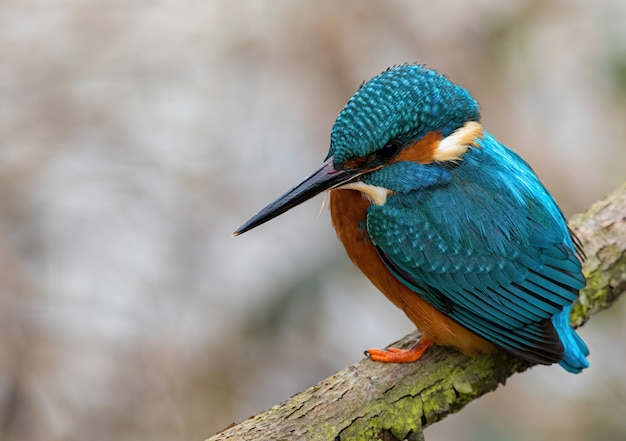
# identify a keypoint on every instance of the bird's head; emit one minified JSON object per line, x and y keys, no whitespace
{"x":390,"y":137}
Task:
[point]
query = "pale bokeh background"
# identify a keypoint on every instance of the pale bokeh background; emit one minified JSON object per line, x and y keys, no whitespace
{"x":136,"y":135}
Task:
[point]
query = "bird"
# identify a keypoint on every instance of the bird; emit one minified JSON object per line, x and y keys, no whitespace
{"x":452,"y":226}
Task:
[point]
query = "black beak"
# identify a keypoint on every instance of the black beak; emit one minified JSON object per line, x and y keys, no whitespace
{"x":324,"y":178}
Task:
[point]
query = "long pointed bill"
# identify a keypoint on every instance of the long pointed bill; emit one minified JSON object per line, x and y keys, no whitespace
{"x":326,"y":177}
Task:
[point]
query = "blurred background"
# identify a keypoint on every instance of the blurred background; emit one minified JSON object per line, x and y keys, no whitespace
{"x":135,"y":136}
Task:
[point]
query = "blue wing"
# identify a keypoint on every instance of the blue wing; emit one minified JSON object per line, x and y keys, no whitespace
{"x":490,"y":249}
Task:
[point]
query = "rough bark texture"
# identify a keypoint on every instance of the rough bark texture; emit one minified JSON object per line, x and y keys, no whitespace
{"x":371,"y":400}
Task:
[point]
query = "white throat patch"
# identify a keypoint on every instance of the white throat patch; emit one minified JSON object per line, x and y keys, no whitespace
{"x":376,"y":195}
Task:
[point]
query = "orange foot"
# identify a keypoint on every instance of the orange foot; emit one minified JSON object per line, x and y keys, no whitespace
{"x":395,"y":355}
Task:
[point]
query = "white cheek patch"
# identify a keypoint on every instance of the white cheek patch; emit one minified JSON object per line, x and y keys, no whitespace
{"x":454,"y":146}
{"x":376,"y":195}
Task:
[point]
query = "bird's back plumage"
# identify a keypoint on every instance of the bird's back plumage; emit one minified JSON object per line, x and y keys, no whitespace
{"x":487,"y":246}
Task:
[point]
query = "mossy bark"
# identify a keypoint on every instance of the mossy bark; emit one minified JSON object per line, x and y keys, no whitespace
{"x":371,"y":400}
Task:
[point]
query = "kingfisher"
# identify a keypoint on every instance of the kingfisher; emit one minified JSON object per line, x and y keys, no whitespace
{"x":453,"y":227}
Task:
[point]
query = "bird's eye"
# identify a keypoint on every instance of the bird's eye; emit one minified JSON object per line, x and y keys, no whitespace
{"x":391,"y":149}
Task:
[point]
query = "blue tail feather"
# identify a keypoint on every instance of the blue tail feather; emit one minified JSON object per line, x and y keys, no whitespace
{"x":576,"y":350}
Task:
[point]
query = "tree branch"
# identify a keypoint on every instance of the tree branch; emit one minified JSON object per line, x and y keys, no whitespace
{"x":371,"y":400}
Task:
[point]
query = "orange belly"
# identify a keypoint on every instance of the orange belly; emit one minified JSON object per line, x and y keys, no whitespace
{"x":348,"y":210}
